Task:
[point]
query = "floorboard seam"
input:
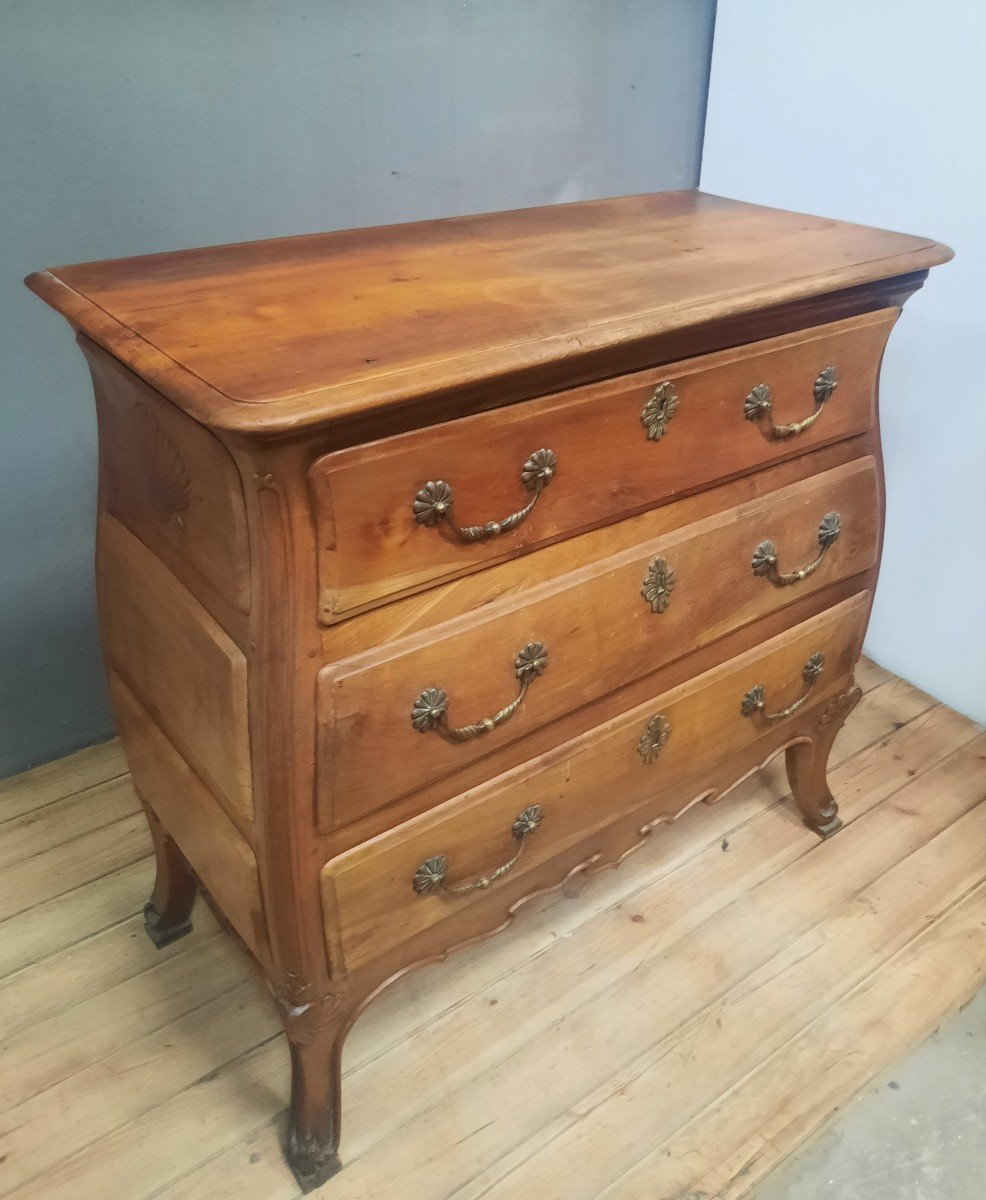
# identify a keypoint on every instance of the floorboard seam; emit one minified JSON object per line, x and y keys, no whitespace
{"x":39,"y":808}
{"x":616,"y":983}
{"x":858,"y":985}
{"x":68,"y":891}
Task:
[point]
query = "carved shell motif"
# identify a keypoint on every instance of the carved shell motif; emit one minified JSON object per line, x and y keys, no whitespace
{"x":163,"y":488}
{"x":304,"y":1011}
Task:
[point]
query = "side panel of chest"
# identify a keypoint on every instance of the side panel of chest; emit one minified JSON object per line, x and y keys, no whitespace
{"x":179,"y":663}
{"x":175,"y":487}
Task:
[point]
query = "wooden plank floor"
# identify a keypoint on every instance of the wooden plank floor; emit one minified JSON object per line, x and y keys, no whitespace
{"x":670,"y":1031}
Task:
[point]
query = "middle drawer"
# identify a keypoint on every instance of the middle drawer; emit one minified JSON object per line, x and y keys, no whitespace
{"x":422,"y":707}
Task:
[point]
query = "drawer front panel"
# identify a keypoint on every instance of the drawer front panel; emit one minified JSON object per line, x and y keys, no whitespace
{"x":615,"y":448}
{"x":600,"y":628}
{"x":652,"y":758}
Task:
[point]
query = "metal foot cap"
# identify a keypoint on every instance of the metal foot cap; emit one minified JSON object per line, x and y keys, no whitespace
{"x":310,"y":1167}
{"x":824,"y":829}
{"x":163,"y":935}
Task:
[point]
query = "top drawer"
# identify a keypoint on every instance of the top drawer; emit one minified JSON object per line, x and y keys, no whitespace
{"x":549,"y":468}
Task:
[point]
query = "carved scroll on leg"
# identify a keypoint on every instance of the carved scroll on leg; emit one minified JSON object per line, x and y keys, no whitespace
{"x":807,"y":765}
{"x":167,"y":915}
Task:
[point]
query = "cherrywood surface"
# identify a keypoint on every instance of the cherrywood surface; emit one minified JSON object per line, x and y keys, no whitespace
{"x":747,"y":982}
{"x":518,"y":577}
{"x":175,"y":658}
{"x":371,"y":548}
{"x":188,"y":812}
{"x":222,"y":376}
{"x":582,"y":786}
{"x":599,"y":631}
{"x":328,"y":327}
{"x":475,"y":772}
{"x":176,"y":487}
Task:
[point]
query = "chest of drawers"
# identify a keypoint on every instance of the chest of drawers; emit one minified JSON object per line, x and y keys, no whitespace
{"x":439,"y":562}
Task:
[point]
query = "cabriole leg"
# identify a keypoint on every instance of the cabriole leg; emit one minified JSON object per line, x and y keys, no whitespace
{"x":316,"y":1031}
{"x":807,"y":766}
{"x":167,"y":914}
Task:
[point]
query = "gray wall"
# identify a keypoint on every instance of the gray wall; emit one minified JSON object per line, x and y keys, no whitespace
{"x":129,"y":126}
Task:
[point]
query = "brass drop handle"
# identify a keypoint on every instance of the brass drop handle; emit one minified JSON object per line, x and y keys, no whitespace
{"x":430,"y":876}
{"x":759,"y":405}
{"x":430,"y":710}
{"x":754,"y":702}
{"x":765,"y":556}
{"x":433,"y":503}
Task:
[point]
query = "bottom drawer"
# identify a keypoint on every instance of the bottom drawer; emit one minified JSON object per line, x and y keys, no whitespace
{"x":653,"y":757}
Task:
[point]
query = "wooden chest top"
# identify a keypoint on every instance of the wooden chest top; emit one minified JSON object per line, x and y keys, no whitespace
{"x":274,"y":335}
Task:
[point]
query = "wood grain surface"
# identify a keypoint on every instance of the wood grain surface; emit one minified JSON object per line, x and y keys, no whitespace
{"x":371,"y":548}
{"x":582,"y":786}
{"x":759,"y":981}
{"x":316,"y":329}
{"x":270,"y":612}
{"x":599,"y":630}
{"x":176,"y":487}
{"x":180,"y":664}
